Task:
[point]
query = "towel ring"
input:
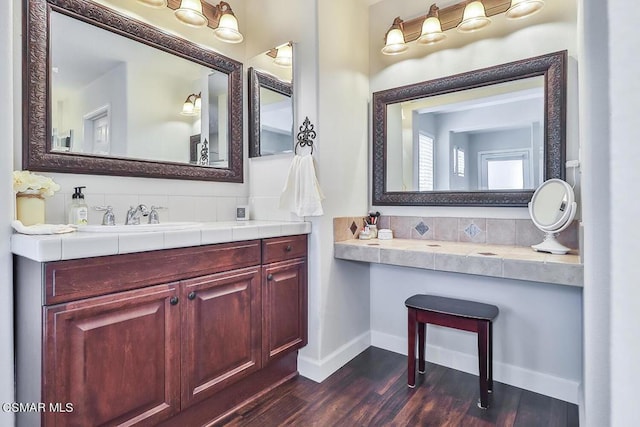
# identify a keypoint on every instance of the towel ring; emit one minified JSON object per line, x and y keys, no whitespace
{"x":306,"y":135}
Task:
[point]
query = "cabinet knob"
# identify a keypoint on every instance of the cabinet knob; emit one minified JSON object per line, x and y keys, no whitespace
{"x":173,"y":300}
{"x":192,"y":295}
{"x":288,"y":248}
{"x":269,"y":276}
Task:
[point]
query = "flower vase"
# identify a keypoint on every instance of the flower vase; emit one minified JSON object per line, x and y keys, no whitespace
{"x":30,"y":207}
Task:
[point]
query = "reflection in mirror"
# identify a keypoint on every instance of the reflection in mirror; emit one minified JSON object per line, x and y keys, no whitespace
{"x":106,"y":94}
{"x":271,"y":102}
{"x":114,"y":97}
{"x":484,"y":138}
{"x":487,"y":138}
{"x":552,"y":209}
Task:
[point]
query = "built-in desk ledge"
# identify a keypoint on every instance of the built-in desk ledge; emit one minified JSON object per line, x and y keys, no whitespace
{"x":84,"y":245}
{"x":513,"y":262}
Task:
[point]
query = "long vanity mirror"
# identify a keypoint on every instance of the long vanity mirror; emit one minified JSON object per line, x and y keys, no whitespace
{"x":271,"y":102}
{"x":107,"y":94}
{"x":485,"y":138}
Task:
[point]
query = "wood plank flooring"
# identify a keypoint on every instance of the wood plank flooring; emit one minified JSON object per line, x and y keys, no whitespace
{"x":371,"y":390}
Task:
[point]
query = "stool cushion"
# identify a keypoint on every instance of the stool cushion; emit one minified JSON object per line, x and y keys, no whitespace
{"x":456,"y":307}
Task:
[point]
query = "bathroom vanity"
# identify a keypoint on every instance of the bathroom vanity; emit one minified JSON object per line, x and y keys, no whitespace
{"x":176,"y":336}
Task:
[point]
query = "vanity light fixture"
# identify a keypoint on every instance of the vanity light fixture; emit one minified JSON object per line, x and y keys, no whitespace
{"x":284,"y":55}
{"x":467,"y":16}
{"x":523,"y":8}
{"x":394,"y":42}
{"x":474,"y":17}
{"x":192,"y":105}
{"x":431,"y":28}
{"x":190,"y":13}
{"x":154,"y":3}
{"x":196,"y":13}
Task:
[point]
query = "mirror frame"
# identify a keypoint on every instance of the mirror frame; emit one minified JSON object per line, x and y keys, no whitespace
{"x":552,"y":66}
{"x":36,"y":146}
{"x":258,"y":79}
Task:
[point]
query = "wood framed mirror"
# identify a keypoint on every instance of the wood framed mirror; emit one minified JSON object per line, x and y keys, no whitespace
{"x":103,"y":94}
{"x":488,"y":137}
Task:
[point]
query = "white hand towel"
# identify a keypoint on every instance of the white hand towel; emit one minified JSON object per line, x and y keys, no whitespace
{"x":301,"y":193}
{"x":42,"y":228}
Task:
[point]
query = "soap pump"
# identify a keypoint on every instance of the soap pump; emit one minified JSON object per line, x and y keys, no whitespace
{"x":78,"y":210}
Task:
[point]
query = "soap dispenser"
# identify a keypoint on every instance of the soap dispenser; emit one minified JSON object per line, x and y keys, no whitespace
{"x":78,"y":210}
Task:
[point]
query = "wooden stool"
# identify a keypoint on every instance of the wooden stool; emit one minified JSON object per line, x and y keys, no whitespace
{"x":452,"y":313}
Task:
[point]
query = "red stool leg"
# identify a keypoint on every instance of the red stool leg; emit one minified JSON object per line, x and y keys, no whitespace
{"x":483,"y":332}
{"x":411,"y":353}
{"x":490,"y":385}
{"x":421,"y":344}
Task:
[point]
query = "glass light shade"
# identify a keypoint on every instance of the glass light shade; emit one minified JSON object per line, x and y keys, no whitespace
{"x":473,"y":18}
{"x":197,"y":104}
{"x":523,"y":8}
{"x":154,"y":3}
{"x":395,"y":42}
{"x":190,"y":13}
{"x":431,"y":31}
{"x":284,"y":57}
{"x":227,"y":30}
{"x":188,"y":108}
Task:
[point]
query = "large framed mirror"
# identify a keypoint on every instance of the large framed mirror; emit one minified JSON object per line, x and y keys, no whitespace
{"x":271,"y":102}
{"x":488,"y":137}
{"x":106,"y":94}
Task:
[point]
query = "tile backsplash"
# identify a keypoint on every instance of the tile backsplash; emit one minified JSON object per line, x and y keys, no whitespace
{"x":515,"y":232}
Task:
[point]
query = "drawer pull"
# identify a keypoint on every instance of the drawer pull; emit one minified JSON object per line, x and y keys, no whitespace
{"x":192,"y":295}
{"x":173,"y":300}
{"x":288,"y":248}
{"x":269,"y":276}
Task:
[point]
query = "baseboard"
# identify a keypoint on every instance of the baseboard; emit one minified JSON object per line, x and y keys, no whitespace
{"x":549,"y":385}
{"x":319,"y":370}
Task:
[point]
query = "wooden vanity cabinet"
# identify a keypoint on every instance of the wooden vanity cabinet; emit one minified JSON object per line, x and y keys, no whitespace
{"x":182,"y":343}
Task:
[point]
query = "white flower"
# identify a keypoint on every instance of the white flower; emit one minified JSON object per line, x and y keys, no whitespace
{"x":25,"y":180}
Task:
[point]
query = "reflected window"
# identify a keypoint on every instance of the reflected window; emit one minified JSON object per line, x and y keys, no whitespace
{"x":458,"y":161}
{"x":425,"y":162}
{"x":505,"y":171}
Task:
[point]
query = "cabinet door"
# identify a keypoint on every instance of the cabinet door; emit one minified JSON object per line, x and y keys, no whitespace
{"x":113,"y":358}
{"x":284,"y":294}
{"x":221,"y":324}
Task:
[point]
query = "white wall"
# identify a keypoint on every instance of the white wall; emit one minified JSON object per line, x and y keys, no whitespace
{"x":6,"y":209}
{"x":624,"y":209}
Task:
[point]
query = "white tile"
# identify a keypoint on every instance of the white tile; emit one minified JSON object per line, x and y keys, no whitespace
{"x":295,"y":228}
{"x":95,"y":217}
{"x":182,"y":238}
{"x":159,"y":201}
{"x":270,"y":230}
{"x":55,"y":210}
{"x":81,"y":246}
{"x":206,"y":209}
{"x":181,"y":208}
{"x":226,"y":209}
{"x":38,"y":248}
{"x":216,"y":235}
{"x":245,"y":232}
{"x":140,"y":242}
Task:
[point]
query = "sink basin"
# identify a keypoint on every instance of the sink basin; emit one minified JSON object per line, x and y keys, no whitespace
{"x":140,"y":228}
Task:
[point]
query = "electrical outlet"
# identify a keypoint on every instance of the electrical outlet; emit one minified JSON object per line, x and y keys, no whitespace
{"x":573,"y":163}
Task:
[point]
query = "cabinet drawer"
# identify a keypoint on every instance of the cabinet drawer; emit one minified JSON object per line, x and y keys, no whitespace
{"x":284,"y":248}
{"x":83,"y":278}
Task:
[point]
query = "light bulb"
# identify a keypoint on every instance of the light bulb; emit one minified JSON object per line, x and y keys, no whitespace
{"x":154,"y":3}
{"x":523,"y":8}
{"x":431,"y":31}
{"x":227,"y":30}
{"x":190,"y":13}
{"x":284,"y":57}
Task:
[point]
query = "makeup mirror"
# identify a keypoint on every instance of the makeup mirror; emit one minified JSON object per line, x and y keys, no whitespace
{"x":552,"y":209}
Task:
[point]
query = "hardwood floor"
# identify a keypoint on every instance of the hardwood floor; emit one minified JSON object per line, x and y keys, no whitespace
{"x":371,"y":390}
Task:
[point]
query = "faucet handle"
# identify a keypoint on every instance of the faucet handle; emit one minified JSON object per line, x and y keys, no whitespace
{"x":154,"y":218}
{"x":109,"y":217}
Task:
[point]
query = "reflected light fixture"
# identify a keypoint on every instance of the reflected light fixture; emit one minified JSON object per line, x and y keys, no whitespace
{"x":474,"y":17}
{"x":192,"y":105}
{"x":190,"y":13}
{"x":394,"y":42}
{"x":154,"y":3}
{"x":523,"y":8}
{"x":284,"y":55}
{"x":431,"y":28}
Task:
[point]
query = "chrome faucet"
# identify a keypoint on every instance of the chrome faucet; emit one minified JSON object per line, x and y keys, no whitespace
{"x":133,"y":214}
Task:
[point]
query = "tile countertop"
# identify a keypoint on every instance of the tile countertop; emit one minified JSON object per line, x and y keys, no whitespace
{"x":513,"y":262}
{"x":84,"y":245}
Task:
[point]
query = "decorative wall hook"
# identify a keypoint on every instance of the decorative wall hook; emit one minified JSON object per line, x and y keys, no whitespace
{"x":306,"y":135}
